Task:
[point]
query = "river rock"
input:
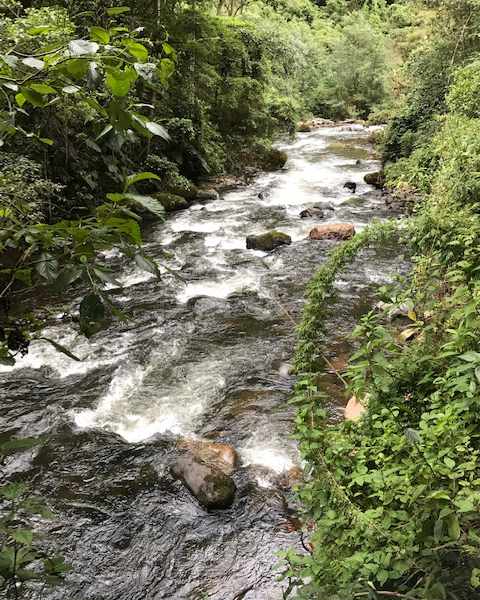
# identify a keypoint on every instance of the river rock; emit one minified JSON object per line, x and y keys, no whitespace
{"x":274,"y":160}
{"x":306,"y":126}
{"x":222,"y":456}
{"x":268,"y":241}
{"x":351,"y":186}
{"x":171,"y":202}
{"x":206,"y":194}
{"x":210,"y":485}
{"x":333,"y":231}
{"x":377,"y":179}
{"x":309,"y":213}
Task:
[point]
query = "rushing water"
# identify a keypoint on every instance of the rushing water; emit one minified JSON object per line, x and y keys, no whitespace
{"x":206,"y":357}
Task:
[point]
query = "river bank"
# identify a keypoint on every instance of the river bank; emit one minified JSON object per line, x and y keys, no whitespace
{"x":207,"y":357}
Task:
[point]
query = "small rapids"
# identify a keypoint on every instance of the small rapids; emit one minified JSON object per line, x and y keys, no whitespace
{"x":205,"y":356}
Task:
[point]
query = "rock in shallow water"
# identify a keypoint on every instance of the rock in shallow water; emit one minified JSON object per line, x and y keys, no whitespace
{"x":268,"y":241}
{"x":223,"y":456}
{"x":210,"y":485}
{"x":333,"y":231}
{"x":315,"y":211}
{"x":376,"y":179}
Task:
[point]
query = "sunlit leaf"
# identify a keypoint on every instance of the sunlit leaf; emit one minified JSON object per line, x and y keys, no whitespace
{"x":100,"y":34}
{"x":83,"y":47}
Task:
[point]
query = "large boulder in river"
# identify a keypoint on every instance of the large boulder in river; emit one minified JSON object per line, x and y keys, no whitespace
{"x":206,"y":194}
{"x":171,"y":202}
{"x":333,"y":231}
{"x":268,"y":241}
{"x":210,"y":485}
{"x":377,"y":179}
{"x":223,"y":456}
{"x":274,"y":160}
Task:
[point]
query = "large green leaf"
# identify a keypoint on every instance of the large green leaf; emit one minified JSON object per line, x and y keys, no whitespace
{"x":60,"y":348}
{"x":152,"y":205}
{"x":133,"y":179}
{"x":47,"y":267}
{"x":137,"y":50}
{"x":99,"y":34}
{"x":157,"y":129}
{"x":127,"y":227}
{"x":43,"y":88}
{"x":117,"y":10}
{"x":120,"y":82}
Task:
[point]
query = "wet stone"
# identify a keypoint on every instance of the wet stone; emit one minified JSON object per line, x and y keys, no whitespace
{"x":268,"y":241}
{"x":213,"y":488}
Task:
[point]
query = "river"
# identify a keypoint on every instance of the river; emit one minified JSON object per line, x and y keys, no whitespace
{"x":206,"y":356}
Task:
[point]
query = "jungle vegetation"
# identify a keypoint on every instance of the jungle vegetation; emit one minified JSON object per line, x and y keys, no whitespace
{"x":113,"y":112}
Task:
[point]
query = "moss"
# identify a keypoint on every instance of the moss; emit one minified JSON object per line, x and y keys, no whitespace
{"x":171,"y":202}
{"x":268,"y":241}
{"x":376,"y":179}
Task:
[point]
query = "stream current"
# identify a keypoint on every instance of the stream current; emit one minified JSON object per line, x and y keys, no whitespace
{"x":204,"y":358}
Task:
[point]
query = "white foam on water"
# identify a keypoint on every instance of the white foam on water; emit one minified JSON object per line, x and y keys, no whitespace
{"x":187,"y":223}
{"x":220,"y":289}
{"x":92,"y":354}
{"x":137,"y":408}
{"x":257,"y":451}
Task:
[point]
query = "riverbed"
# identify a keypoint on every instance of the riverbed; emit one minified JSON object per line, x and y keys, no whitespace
{"x":204,"y":354}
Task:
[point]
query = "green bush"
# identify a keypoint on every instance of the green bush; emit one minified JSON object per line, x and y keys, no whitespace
{"x":464,"y":95}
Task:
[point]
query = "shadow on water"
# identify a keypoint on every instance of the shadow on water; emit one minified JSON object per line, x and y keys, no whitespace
{"x":209,"y":359}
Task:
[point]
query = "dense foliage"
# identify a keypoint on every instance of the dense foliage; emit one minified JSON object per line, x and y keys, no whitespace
{"x":392,"y":500}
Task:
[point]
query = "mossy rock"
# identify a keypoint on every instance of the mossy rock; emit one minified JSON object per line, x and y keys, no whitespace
{"x":274,"y":160}
{"x":268,"y":241}
{"x":189,"y":191}
{"x":171,"y":202}
{"x":354,"y":201}
{"x":210,"y":485}
{"x":377,"y":179}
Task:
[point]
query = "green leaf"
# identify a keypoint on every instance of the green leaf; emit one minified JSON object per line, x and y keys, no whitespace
{"x":24,"y":275}
{"x":83,"y":47}
{"x":120,"y":82}
{"x":475,"y":578}
{"x":157,"y":129}
{"x":47,"y":267}
{"x":33,"y":97}
{"x":71,"y":89}
{"x":453,"y":527}
{"x":59,"y":348}
{"x":147,"y":264}
{"x":152,"y":205}
{"x":133,"y":179}
{"x":33,"y":63}
{"x":99,"y":34}
{"x":104,"y":131}
{"x":20,"y":99}
{"x":117,"y":10}
{"x":46,"y":141}
{"x":76,"y":68}
{"x":137,"y":50}
{"x":22,"y":536}
{"x":127,"y":227}
{"x":13,"y":491}
{"x":470,"y":356}
{"x":166,"y":69}
{"x":39,"y":29}
{"x":43,"y":89}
